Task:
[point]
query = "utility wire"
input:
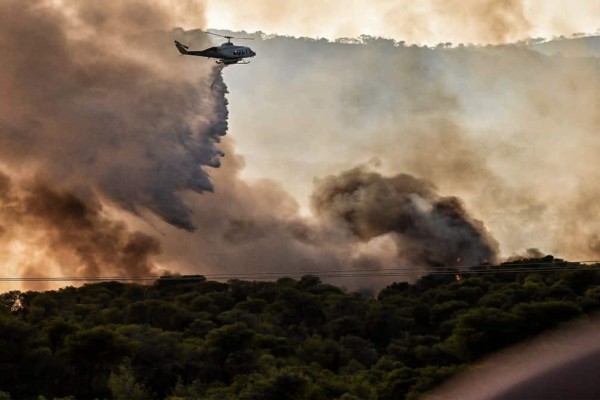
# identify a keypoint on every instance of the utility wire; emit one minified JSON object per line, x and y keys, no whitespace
{"x":408,"y":271}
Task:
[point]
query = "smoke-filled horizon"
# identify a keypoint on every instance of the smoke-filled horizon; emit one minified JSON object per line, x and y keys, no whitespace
{"x":511,"y":130}
{"x":111,"y":150}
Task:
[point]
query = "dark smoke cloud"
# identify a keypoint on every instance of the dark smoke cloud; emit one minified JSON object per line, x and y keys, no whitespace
{"x":363,"y":221}
{"x":67,"y":237}
{"x":105,"y":119}
{"x":101,"y":120}
{"x":430,"y":230}
{"x":100,"y":104}
{"x":527,"y":254}
{"x":100,"y":244}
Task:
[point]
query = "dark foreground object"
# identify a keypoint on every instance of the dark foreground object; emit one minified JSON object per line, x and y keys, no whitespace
{"x":555,"y":367}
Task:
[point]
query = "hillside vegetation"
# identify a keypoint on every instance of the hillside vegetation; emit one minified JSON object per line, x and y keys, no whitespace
{"x":291,"y":339}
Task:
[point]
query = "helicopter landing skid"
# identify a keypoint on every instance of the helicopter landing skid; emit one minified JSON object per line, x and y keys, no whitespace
{"x":228,"y":64}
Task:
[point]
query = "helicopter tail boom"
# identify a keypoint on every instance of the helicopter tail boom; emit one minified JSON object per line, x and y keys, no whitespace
{"x":212,"y":52}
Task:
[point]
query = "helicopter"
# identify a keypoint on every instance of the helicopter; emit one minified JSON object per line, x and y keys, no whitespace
{"x":226,"y":54}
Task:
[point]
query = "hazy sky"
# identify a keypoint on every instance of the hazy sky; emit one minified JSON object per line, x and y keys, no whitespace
{"x":425,"y":21}
{"x":509,"y":130}
{"x":111,"y":143}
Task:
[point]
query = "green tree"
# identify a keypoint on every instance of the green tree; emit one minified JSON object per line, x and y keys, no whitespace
{"x":444,"y":311}
{"x":483,"y":330}
{"x":546,"y":314}
{"x":123,"y":385}
{"x":93,"y":352}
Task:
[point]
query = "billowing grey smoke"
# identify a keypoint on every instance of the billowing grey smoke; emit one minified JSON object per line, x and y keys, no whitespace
{"x":511,"y":130}
{"x":64,"y":232}
{"x":102,"y":113}
{"x":97,"y":101}
{"x":430,"y":230}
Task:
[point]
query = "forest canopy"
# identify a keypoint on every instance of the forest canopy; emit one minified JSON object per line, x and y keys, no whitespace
{"x":192,"y":338}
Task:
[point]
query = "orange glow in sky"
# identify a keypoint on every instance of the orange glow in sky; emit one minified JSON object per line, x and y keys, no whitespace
{"x":425,"y":22}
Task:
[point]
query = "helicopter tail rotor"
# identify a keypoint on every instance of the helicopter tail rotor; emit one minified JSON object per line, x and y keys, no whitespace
{"x":183,"y":49}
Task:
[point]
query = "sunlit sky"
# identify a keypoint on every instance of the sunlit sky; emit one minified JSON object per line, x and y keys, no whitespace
{"x":425,"y":22}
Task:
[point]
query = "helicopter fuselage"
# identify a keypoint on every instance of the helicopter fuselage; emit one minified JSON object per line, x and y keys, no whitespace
{"x":225,"y":54}
{"x":231,"y":54}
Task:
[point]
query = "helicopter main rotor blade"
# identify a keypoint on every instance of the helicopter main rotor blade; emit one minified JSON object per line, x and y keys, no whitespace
{"x":228,"y":37}
{"x":216,"y":34}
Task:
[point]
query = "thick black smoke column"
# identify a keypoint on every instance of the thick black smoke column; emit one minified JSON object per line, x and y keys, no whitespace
{"x":429,"y":229}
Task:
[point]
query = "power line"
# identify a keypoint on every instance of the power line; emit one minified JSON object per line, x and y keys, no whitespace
{"x":408,"y":271}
